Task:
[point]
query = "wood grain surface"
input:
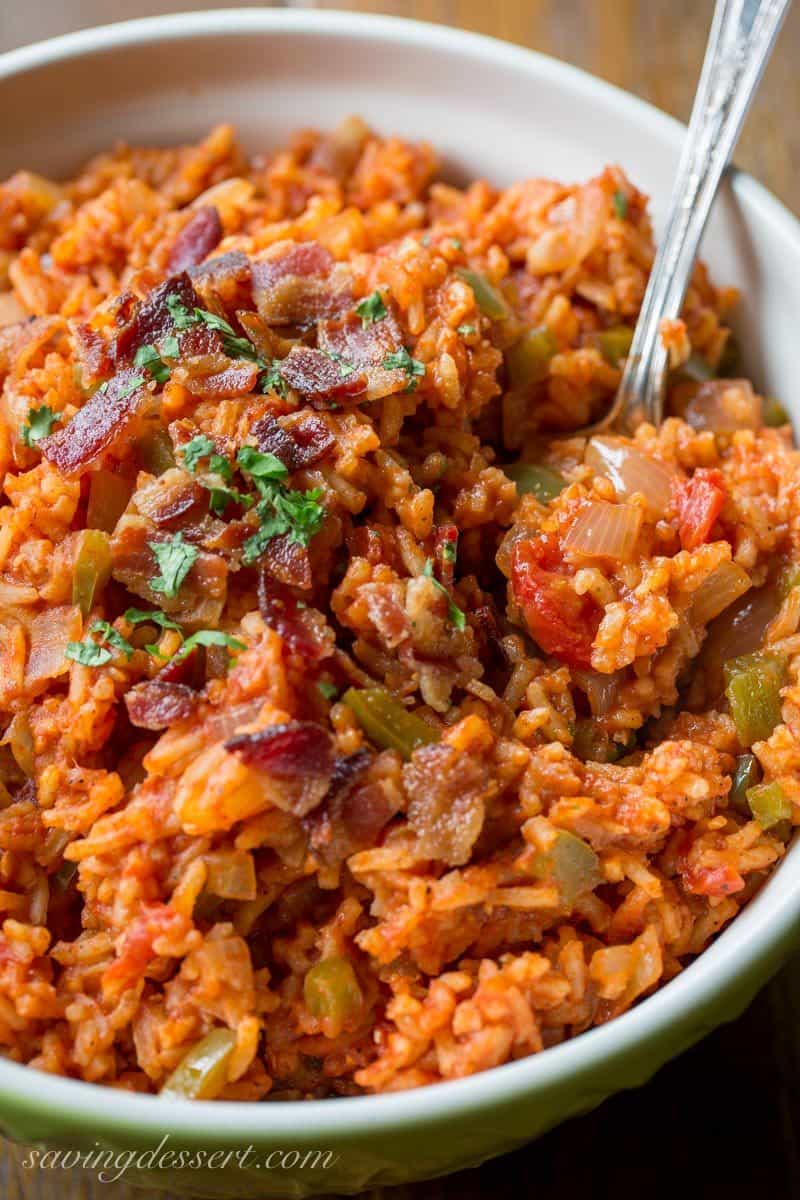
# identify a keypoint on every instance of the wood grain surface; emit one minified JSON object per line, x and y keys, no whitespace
{"x":722,"y":1122}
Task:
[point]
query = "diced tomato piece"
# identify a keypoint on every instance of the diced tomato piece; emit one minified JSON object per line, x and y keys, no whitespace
{"x":719,"y":880}
{"x":563,"y":623}
{"x":699,"y":502}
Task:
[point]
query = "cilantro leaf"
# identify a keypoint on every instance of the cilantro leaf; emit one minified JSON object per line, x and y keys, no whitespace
{"x":169,"y":346}
{"x":328,"y":690}
{"x":219,"y":498}
{"x":40,"y":425}
{"x":199,"y":447}
{"x":620,"y":202}
{"x":209,"y":637}
{"x":457,"y":617}
{"x":182,"y":318}
{"x":138,"y":616}
{"x":449,"y":551}
{"x":175,"y":559}
{"x":88,"y":654}
{"x":401,"y":360}
{"x":371,"y":309}
{"x":130,"y":387}
{"x":345,"y":368}
{"x":298,"y":514}
{"x":466,"y":330}
{"x":149,"y":358}
{"x":220,"y":465}
{"x":261,"y":466}
{"x":234,"y":346}
{"x":272,"y":380}
{"x":112,"y":637}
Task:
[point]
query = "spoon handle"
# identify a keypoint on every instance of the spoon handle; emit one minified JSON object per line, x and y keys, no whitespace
{"x":742,"y":35}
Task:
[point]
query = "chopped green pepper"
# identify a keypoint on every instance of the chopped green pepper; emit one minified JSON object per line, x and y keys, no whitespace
{"x":92,"y":568}
{"x":572,"y":864}
{"x":537,"y":480}
{"x":201,"y":1073}
{"x":615,"y":343}
{"x":591,"y":743}
{"x":528,"y":360}
{"x":788,"y":580}
{"x":746,"y":775}
{"x":109,"y":494}
{"x":487,"y":297}
{"x":331,"y":991}
{"x":769,"y":804}
{"x":773,"y":414}
{"x":386,"y":722}
{"x":752,"y":687}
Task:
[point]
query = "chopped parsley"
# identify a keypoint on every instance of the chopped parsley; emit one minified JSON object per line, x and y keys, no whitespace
{"x":138,"y":616}
{"x":220,"y":497}
{"x":620,"y":202}
{"x":401,"y":360}
{"x":130,"y":387}
{"x":280,"y":510}
{"x":457,"y":617}
{"x":233,"y":345}
{"x":182,"y":318}
{"x":149,"y":358}
{"x":199,"y":447}
{"x":345,"y":368}
{"x":272,"y":380}
{"x":175,"y":559}
{"x":329,"y":690}
{"x":40,"y":425}
{"x":449,"y":551}
{"x":371,"y":309}
{"x":466,"y":330}
{"x":88,"y":654}
{"x":112,"y":637}
{"x":169,"y":346}
{"x":209,"y":637}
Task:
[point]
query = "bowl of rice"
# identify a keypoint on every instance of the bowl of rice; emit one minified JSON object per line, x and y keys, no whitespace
{"x":369,"y":738}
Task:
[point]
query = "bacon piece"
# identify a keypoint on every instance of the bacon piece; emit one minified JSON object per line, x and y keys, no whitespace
{"x":562,"y":622}
{"x":202,"y":595}
{"x":199,"y":236}
{"x":92,"y":354}
{"x":158,"y":704}
{"x":365,"y":348}
{"x":99,"y":428}
{"x":280,"y":611}
{"x":185,"y":669}
{"x":152,"y":320}
{"x":288,"y":562}
{"x":200,"y":341}
{"x":698,"y":501}
{"x":320,"y":379}
{"x":170,"y":496}
{"x":236,"y":379}
{"x":228,"y":279}
{"x":297,"y":283}
{"x":297,"y":755}
{"x":446,"y":790}
{"x":303,"y":443}
{"x":355,"y":813}
{"x":386,"y":612}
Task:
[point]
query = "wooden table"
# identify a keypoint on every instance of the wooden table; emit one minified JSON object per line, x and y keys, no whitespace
{"x":723,"y":1122}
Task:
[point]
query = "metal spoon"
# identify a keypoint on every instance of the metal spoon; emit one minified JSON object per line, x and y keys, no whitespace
{"x":742,"y":35}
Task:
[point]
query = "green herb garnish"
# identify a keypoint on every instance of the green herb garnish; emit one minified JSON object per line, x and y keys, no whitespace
{"x":272,"y":380}
{"x":328,"y":690}
{"x":620,"y":202}
{"x":199,"y":447}
{"x":220,"y":497}
{"x":149,"y":358}
{"x":401,"y":360}
{"x":209,"y":637}
{"x":175,"y":559}
{"x":457,"y":617}
{"x":88,"y":654}
{"x":112,"y":637}
{"x":466,"y":330}
{"x":140,"y":616}
{"x":40,"y":425}
{"x":371,"y":309}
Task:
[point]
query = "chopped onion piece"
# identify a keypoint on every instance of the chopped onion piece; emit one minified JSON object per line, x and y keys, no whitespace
{"x":718,"y":590}
{"x":630,"y":471}
{"x":601,"y":690}
{"x":724,"y":405}
{"x":605,"y":531}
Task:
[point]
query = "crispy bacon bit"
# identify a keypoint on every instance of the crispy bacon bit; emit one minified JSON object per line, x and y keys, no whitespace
{"x":202,"y":595}
{"x":92,"y":354}
{"x":185,"y":669}
{"x":238,"y":379}
{"x":298,"y":284}
{"x":199,"y":341}
{"x":375,"y":543}
{"x":199,"y":236}
{"x":152,"y":320}
{"x":446,"y":790}
{"x":365,"y":348}
{"x":99,"y":427}
{"x":562,"y":622}
{"x":227,"y":281}
{"x":320,"y":378}
{"x":298,"y":446}
{"x":297,"y":755}
{"x":279,"y":609}
{"x":288,"y":562}
{"x":170,"y":496}
{"x":355,"y":814}
{"x":158,"y":704}
{"x":386,"y":612}
{"x":698,"y":501}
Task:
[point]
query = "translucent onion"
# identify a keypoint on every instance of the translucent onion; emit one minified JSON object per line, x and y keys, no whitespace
{"x":718,"y":591}
{"x":50,"y":634}
{"x":605,"y":531}
{"x":601,"y":690}
{"x":231,"y":875}
{"x":723,"y":406}
{"x":630,"y":471}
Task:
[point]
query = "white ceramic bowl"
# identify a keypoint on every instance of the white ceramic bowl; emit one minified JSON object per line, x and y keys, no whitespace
{"x":496,"y":111}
